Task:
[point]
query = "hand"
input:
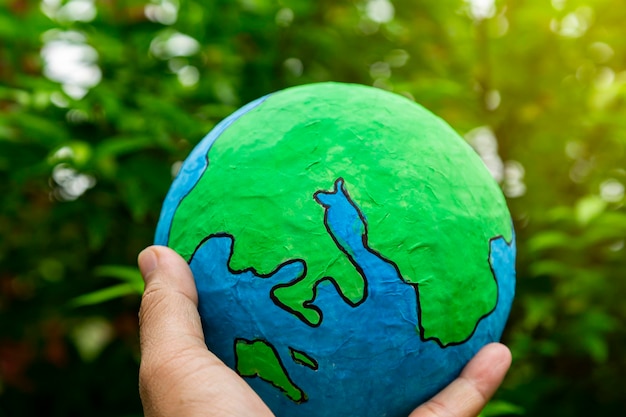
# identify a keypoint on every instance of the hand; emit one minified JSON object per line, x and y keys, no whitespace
{"x":179,"y":377}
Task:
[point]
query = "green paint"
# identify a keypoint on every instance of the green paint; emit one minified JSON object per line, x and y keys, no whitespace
{"x":259,"y":359}
{"x":430,"y":204}
{"x":303,"y":359}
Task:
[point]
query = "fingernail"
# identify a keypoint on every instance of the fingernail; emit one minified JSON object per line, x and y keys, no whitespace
{"x":147,"y":261}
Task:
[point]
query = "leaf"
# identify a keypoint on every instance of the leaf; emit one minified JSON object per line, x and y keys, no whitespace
{"x":596,"y":347}
{"x":123,"y":145}
{"x":106,"y":294}
{"x":549,"y":267}
{"x":501,"y":408}
{"x":132,"y":285}
{"x":552,"y":239}
{"x":127,"y":274}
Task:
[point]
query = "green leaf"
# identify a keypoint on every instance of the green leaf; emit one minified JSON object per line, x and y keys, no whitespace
{"x":123,"y":145}
{"x":551,"y":239}
{"x":132,"y":284}
{"x":501,"y":408}
{"x":549,"y":268}
{"x":106,"y":294}
{"x":127,"y":274}
{"x":596,"y":347}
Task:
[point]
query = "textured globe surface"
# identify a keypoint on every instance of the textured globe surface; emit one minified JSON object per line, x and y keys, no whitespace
{"x":351,"y":251}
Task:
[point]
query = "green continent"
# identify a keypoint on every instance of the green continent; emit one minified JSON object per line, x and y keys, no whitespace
{"x":303,"y":359}
{"x":430,"y":204}
{"x":259,"y":359}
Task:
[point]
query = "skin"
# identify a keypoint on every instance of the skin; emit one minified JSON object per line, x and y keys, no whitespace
{"x":179,"y":377}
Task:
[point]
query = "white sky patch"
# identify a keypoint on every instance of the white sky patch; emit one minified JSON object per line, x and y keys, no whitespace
{"x":71,"y":11}
{"x":175,"y":168}
{"x":69,"y":60}
{"x":601,"y":52}
{"x":605,"y":77}
{"x":484,"y":141}
{"x":612,"y":191}
{"x":172,"y":44}
{"x":380,"y":11}
{"x":50,"y":7}
{"x":380,"y":70}
{"x":284,"y":17}
{"x":164,"y":12}
{"x":513,"y":184}
{"x":574,"y":24}
{"x":481,"y":9}
{"x":64,"y":152}
{"x":397,"y":58}
{"x":69,"y":183}
{"x":492,"y":100}
{"x":510,"y":173}
{"x":294,"y":66}
{"x":188,"y":76}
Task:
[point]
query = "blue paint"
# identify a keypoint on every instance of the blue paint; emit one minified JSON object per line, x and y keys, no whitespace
{"x":342,"y":217}
{"x":371,"y":360}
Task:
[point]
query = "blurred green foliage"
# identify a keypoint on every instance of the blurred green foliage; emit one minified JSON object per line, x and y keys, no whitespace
{"x":99,"y":101}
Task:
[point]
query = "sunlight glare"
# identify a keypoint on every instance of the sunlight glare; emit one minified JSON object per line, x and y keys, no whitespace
{"x":72,"y":11}
{"x":164,"y":12}
{"x":484,"y":141}
{"x":380,"y":11}
{"x":294,"y":66}
{"x":481,"y":9}
{"x":70,"y":184}
{"x":173,"y":44}
{"x":284,"y":17}
{"x":69,"y":60}
{"x":188,"y":76}
{"x":612,"y":191}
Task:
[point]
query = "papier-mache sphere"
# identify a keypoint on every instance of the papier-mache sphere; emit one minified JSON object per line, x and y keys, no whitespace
{"x":351,"y":252}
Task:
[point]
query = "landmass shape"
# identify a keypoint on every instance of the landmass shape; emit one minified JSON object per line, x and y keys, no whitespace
{"x":258,"y":358}
{"x":279,"y":359}
{"x":430,"y":204}
{"x":303,"y":358}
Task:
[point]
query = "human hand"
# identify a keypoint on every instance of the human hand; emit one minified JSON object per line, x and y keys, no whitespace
{"x":180,"y":377}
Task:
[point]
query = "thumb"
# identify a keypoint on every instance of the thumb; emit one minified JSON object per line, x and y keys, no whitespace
{"x":168,"y":317}
{"x":170,"y":333}
{"x":178,"y":376}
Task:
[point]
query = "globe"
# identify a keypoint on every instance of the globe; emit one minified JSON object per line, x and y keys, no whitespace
{"x":351,"y":251}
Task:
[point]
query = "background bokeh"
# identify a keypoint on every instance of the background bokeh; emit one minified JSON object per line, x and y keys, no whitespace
{"x":101,"y":100}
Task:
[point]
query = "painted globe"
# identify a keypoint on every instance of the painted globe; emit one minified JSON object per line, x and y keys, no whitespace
{"x":351,"y":251}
